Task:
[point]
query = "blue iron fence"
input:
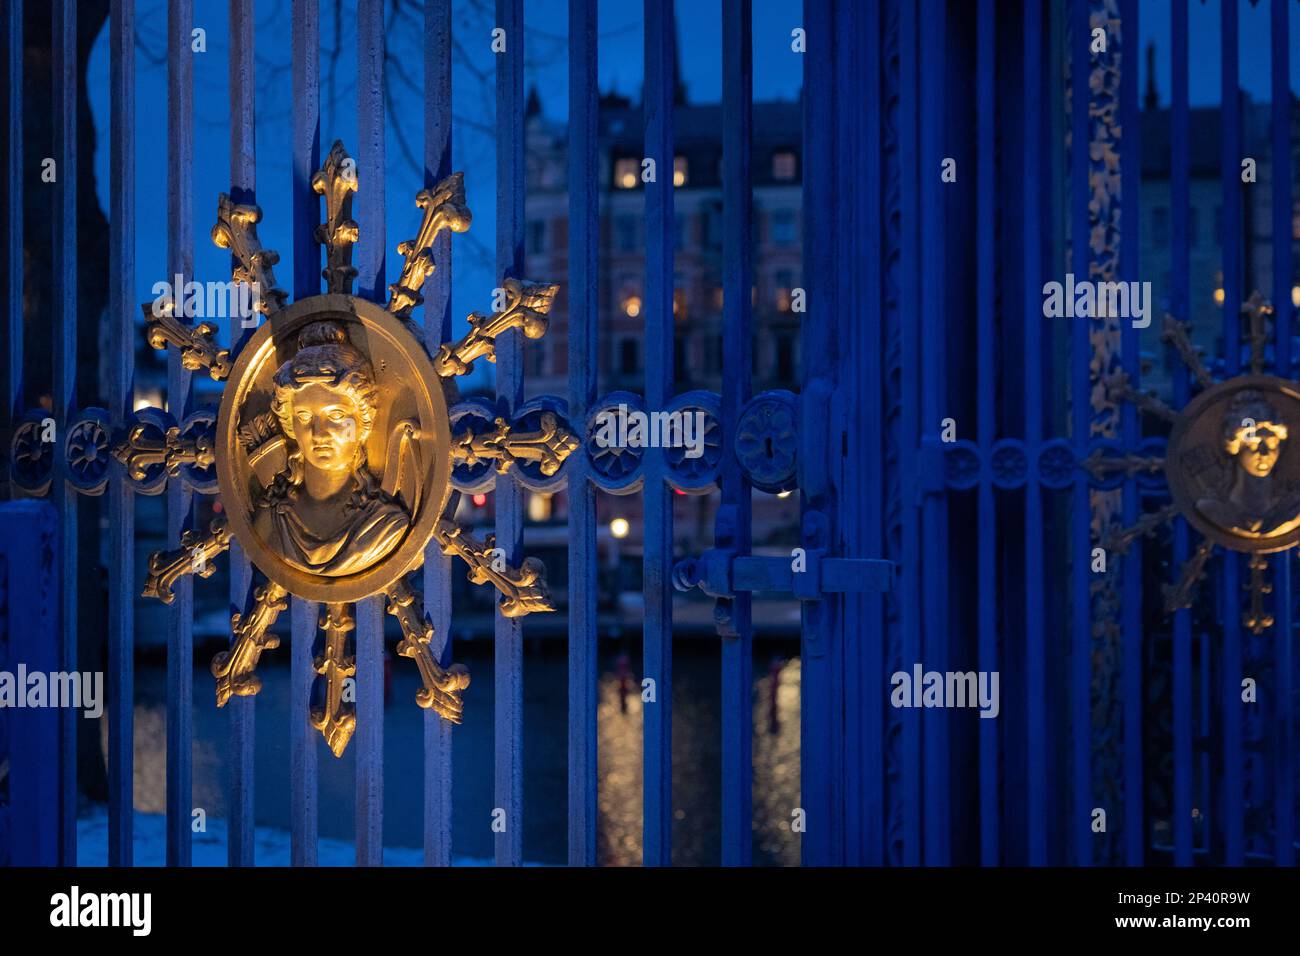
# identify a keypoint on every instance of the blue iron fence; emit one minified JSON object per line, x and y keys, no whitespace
{"x":976,"y":553}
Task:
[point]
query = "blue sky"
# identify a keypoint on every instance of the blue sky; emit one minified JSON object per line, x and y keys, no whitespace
{"x":777,"y":75}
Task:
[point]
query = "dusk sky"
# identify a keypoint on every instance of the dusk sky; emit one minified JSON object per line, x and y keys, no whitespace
{"x":777,"y":75}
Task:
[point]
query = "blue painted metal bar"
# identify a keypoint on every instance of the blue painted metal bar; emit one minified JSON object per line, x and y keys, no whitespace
{"x":437,"y":329}
{"x":733,"y":523}
{"x":305,"y":57}
{"x":986,"y":425}
{"x":865,"y":670}
{"x":584,"y":247}
{"x":660,"y":40}
{"x":122,"y":312}
{"x":180,"y":260}
{"x":1131,"y":667}
{"x":1035,"y":650}
{"x":371,"y":283}
{"x":13,"y":241}
{"x":1079,"y":831}
{"x":509,"y":717}
{"x":936,"y":627}
{"x":1180,"y":297}
{"x":243,"y":189}
{"x":1233,"y":783}
{"x":1283,"y":751}
{"x":909,"y":607}
{"x":63,"y":47}
{"x":30,"y":565}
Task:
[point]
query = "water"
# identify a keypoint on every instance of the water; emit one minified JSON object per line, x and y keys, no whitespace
{"x":696,"y":754}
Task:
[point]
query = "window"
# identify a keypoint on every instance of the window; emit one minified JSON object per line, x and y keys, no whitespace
{"x":625,"y":233}
{"x":783,"y":279}
{"x":680,"y":223}
{"x":783,"y":227}
{"x":626,"y":173}
{"x":679,"y":170}
{"x":1160,"y":225}
{"x":785,"y":359}
{"x":628,"y":358}
{"x":783,"y":165}
{"x":537,"y":236}
{"x":535,"y":358}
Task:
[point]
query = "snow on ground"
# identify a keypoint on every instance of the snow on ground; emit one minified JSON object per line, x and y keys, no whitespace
{"x":271,"y":845}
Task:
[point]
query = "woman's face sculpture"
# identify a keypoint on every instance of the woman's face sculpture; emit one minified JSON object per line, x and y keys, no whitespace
{"x":325,"y":426}
{"x":1253,"y":435}
{"x":1256,"y":447}
{"x":325,"y":400}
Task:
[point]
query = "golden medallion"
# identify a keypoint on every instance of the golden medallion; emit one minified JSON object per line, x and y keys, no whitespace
{"x":1233,"y":466}
{"x":333,"y":449}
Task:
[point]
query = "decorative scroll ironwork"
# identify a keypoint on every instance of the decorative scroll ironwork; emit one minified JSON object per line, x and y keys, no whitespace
{"x":527,"y":305}
{"x":198,"y":348}
{"x":236,"y":230}
{"x":505,"y":445}
{"x":326,"y":509}
{"x":337,"y":181}
{"x":194,"y":556}
{"x":444,"y":208}
{"x":523,"y":588}
{"x":234,"y":668}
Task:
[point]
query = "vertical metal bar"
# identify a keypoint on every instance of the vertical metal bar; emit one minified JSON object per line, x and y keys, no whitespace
{"x":371,"y":284}
{"x":986,"y":295}
{"x":1130,"y":344}
{"x":437,"y":329}
{"x":909,"y":402}
{"x":243,"y":189}
{"x":1035,"y":661}
{"x":305,"y":41}
{"x":13,"y":188}
{"x":1180,"y":296}
{"x":1079,"y":831}
{"x":737,"y":366}
{"x":64,"y":55}
{"x":1284,"y":646}
{"x":657,"y":561}
{"x":509,"y":716}
{"x":584,"y":239}
{"x":1230,"y":672}
{"x":180,"y":261}
{"x":865,"y":671}
{"x":936,"y":627}
{"x":122,"y":312}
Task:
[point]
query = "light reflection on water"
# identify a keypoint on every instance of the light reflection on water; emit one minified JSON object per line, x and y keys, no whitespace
{"x":696,"y":756}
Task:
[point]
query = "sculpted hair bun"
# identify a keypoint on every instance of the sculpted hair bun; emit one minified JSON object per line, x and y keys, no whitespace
{"x":322,"y":333}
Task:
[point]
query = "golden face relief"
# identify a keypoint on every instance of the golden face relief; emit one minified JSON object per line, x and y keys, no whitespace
{"x":1256,"y":446}
{"x":1231,"y":470}
{"x":324,"y":422}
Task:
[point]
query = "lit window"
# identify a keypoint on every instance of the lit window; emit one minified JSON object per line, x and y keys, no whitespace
{"x":679,"y":303}
{"x":679,"y":170}
{"x":783,"y":165}
{"x":625,"y":173}
{"x":1295,"y":296}
{"x":632,"y":306}
{"x":539,"y":507}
